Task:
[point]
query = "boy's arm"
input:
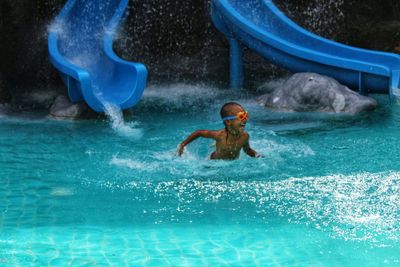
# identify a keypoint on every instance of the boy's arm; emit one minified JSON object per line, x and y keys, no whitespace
{"x":194,"y":136}
{"x":249,"y":151}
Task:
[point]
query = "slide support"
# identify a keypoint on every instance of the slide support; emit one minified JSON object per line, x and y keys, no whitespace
{"x":361,"y":86}
{"x":236,"y":64}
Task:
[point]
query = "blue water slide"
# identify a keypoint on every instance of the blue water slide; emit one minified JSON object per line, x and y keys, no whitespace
{"x":261,"y":26}
{"x":80,"y":44}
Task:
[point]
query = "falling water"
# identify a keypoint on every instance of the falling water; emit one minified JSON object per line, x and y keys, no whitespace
{"x":324,"y":16}
{"x":118,"y":124}
{"x":321,"y":17}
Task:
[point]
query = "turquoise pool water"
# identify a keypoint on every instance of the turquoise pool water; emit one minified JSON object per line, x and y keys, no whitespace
{"x":96,"y":193}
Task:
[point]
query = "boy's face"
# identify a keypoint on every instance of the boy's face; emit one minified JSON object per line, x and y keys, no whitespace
{"x":236,"y":125}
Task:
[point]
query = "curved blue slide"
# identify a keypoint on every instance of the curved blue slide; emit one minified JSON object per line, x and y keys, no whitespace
{"x":80,"y":44}
{"x":261,"y":26}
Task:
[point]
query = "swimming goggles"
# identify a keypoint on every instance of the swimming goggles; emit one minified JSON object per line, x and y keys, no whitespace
{"x":242,"y":116}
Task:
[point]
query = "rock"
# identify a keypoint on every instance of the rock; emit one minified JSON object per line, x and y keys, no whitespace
{"x":397,"y":49}
{"x":63,"y":108}
{"x":38,"y":98}
{"x":24,"y":56}
{"x":5,"y":96}
{"x":313,"y":92}
{"x":382,"y":35}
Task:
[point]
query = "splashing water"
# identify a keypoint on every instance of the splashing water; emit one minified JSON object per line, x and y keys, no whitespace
{"x":118,"y":123}
{"x":322,"y":17}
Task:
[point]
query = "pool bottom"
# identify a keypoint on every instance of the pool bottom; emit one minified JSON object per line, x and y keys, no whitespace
{"x":309,"y":221}
{"x":175,"y":245}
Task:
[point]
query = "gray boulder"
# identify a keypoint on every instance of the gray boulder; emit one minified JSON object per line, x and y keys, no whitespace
{"x":63,"y":108}
{"x":313,"y":92}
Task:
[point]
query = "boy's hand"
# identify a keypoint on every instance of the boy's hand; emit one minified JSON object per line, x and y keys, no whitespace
{"x":180,"y":150}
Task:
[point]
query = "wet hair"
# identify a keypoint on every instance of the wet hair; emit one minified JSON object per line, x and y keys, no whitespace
{"x":226,"y":109}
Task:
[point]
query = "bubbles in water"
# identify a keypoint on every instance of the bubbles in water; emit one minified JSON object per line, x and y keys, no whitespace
{"x":118,"y":124}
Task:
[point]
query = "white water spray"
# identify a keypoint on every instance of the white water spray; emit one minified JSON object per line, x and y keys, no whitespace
{"x":118,"y":124}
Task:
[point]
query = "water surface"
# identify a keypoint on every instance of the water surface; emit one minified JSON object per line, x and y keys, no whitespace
{"x":113,"y":193}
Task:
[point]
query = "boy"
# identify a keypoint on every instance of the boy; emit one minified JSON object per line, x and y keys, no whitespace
{"x":229,"y":141}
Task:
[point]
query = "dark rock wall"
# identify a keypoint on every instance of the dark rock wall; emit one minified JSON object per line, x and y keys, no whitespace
{"x":368,"y":24}
{"x":177,"y":41}
{"x":23,"y":47}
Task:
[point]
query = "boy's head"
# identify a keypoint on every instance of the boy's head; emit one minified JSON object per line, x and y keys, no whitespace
{"x":234,"y":116}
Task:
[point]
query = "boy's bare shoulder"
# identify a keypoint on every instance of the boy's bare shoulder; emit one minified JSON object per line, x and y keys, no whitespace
{"x":246,"y":137}
{"x":215,"y":134}
{"x":219,"y":134}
